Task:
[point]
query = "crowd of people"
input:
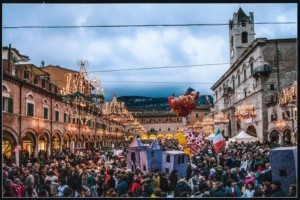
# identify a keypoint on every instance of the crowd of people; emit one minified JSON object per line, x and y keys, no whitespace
{"x":240,"y":171}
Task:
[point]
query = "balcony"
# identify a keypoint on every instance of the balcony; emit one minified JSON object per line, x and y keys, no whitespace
{"x":262,"y":70}
{"x":227,"y":91}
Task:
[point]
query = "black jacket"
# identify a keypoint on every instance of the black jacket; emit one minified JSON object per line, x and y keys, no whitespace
{"x":278,"y":193}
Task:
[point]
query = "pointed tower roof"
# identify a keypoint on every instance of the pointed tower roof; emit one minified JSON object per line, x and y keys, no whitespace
{"x":136,"y":143}
{"x":241,"y":15}
{"x":154,"y":145}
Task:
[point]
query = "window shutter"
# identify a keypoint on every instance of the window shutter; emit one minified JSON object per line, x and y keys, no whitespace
{"x":56,"y":116}
{"x":30,"y":109}
{"x":10,"y":105}
{"x":45,"y":113}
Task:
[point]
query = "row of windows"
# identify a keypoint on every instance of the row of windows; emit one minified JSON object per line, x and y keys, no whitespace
{"x":238,"y":76}
{"x":159,"y":129}
{"x":153,"y":120}
{"x":7,"y":106}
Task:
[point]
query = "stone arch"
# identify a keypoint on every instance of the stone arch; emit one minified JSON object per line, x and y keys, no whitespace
{"x":44,"y":141}
{"x":57,"y":140}
{"x":9,"y":141}
{"x":29,"y":142}
{"x":5,"y":87}
{"x":45,"y":101}
{"x":45,"y":133}
{"x":287,"y":136}
{"x":29,"y":95}
{"x":274,"y":136}
{"x":251,"y":130}
{"x":11,"y":131}
{"x":67,"y":139}
{"x":75,"y":139}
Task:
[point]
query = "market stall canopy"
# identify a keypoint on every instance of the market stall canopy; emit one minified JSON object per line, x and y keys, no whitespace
{"x":242,"y":136}
{"x":210,"y":137}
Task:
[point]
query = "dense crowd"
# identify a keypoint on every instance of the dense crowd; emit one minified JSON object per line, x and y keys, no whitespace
{"x":243,"y":170}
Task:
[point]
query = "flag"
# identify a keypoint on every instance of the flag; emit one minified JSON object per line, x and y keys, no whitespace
{"x":218,"y":141}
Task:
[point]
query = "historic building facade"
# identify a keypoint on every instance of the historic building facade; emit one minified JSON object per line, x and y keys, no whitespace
{"x":259,"y":70}
{"x":166,"y":123}
{"x":35,"y":117}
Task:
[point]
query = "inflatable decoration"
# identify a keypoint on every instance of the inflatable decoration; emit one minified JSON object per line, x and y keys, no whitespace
{"x":190,"y":142}
{"x":183,"y":104}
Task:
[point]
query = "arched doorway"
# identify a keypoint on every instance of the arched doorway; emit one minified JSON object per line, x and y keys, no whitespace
{"x":56,"y":141}
{"x":43,"y":142}
{"x":75,"y":140}
{"x":287,"y":136}
{"x":66,"y":142}
{"x":8,"y":144}
{"x":274,"y":136}
{"x":28,"y":144}
{"x":251,"y":131}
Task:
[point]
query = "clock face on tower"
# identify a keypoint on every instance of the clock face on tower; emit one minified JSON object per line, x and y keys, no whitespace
{"x":232,"y":53}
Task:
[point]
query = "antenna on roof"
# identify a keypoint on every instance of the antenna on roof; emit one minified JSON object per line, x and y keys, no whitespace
{"x":42,"y":63}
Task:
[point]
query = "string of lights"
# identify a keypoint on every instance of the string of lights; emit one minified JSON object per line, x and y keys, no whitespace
{"x":140,"y":25}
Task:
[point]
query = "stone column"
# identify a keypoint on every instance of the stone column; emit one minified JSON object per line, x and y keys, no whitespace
{"x":17,"y":157}
{"x":36,"y":150}
{"x":72,"y":146}
{"x":48,"y":149}
{"x":280,"y":138}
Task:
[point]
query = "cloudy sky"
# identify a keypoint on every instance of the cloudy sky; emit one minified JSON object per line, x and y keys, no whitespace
{"x":119,"y":48}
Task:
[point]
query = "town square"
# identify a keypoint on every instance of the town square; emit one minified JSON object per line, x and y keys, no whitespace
{"x":149,"y":100}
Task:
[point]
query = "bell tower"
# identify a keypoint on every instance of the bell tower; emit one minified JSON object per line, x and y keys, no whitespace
{"x":241,"y":34}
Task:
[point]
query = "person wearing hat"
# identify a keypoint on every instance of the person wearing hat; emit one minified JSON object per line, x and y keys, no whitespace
{"x":276,"y":189}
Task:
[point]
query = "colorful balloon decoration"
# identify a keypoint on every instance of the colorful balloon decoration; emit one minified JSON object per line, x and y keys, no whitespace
{"x":183,"y":104}
{"x":190,"y":142}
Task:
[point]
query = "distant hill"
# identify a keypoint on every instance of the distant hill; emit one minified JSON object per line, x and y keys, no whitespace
{"x":149,"y":103}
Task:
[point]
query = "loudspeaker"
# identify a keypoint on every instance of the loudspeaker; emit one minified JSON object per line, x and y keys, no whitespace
{"x":284,"y":166}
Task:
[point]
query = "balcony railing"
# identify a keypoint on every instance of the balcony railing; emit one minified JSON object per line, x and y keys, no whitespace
{"x":262,"y":70}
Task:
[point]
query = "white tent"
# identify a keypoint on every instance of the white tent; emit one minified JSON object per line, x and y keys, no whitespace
{"x":210,"y":137}
{"x":242,"y":136}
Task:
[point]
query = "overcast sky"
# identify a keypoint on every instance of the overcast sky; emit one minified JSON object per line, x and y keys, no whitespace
{"x":139,"y":47}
